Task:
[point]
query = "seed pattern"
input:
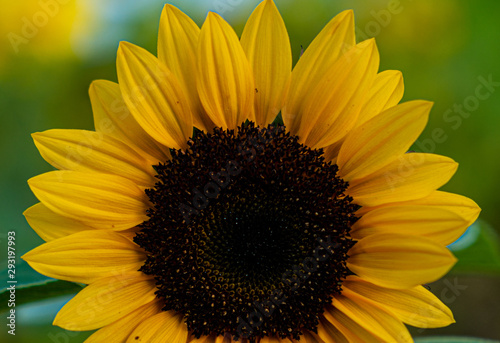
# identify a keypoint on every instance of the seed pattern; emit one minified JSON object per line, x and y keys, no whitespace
{"x":248,"y":234}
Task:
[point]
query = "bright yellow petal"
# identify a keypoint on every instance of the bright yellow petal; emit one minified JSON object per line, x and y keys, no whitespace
{"x":267,"y":46}
{"x":112,"y":117}
{"x":399,"y":261}
{"x":154,"y":96}
{"x":361,"y":322}
{"x":415,"y":306}
{"x":440,"y":225}
{"x":352,"y":331}
{"x":90,"y":151}
{"x":382,"y":139}
{"x":106,"y":301}
{"x":49,"y":225}
{"x":331,"y":109}
{"x":119,"y":331}
{"x":86,"y":256}
{"x":463,"y":206}
{"x":412,"y":176}
{"x":335,"y":39}
{"x":163,"y":327}
{"x":386,"y":92}
{"x":99,"y":200}
{"x":177,"y":44}
{"x":373,"y":319}
{"x":224,"y":77}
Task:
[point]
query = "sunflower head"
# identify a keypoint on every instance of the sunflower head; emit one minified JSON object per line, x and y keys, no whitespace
{"x":224,"y":196}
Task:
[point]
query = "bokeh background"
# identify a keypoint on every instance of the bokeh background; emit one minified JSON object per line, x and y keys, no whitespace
{"x":51,"y":50}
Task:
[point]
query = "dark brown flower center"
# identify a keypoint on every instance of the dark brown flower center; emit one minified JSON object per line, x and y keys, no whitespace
{"x":248,"y":234}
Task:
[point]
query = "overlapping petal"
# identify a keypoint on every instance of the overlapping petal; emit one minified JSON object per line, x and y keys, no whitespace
{"x":113,"y":118}
{"x":332,"y":107}
{"x":328,"y":332}
{"x":412,"y":176}
{"x":86,"y":256}
{"x":267,"y":47}
{"x":163,"y":327}
{"x":361,"y":321}
{"x":99,"y":200}
{"x":386,"y":91}
{"x":415,"y":306}
{"x":224,"y":76}
{"x":441,"y":225}
{"x":50,"y":225}
{"x":120,"y":330}
{"x":382,"y":139}
{"x":177,"y":43}
{"x":106,"y":300}
{"x":399,"y":261}
{"x":335,"y":39}
{"x":90,"y":151}
{"x":462,"y":206}
{"x":154,"y":96}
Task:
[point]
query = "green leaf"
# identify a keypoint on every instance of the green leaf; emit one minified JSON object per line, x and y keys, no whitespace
{"x":37,"y":291}
{"x":453,"y":339}
{"x":478,"y":250}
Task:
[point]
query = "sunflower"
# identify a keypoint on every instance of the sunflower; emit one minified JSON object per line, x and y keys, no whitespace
{"x":224,"y":197}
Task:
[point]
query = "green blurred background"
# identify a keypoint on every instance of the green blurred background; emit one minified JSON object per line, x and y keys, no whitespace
{"x":51,"y":51}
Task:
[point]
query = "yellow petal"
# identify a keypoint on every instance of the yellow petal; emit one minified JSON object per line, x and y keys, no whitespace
{"x":154,"y":96}
{"x":412,"y":176}
{"x":330,"y":333}
{"x":463,"y":206}
{"x":399,"y":261}
{"x":386,"y":92}
{"x":224,"y":78}
{"x":373,"y":319}
{"x":49,"y":225}
{"x":90,"y":151}
{"x":267,"y":46}
{"x":99,"y":200}
{"x":119,"y":331}
{"x":177,"y":43}
{"x":352,"y":331}
{"x":382,"y":139}
{"x":440,"y":225}
{"x":86,"y":256}
{"x":335,"y":39}
{"x":331,"y":109}
{"x":415,"y":306}
{"x":163,"y":327}
{"x":106,"y":301}
{"x":112,"y":117}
